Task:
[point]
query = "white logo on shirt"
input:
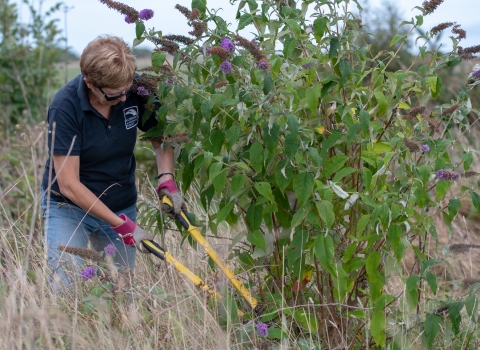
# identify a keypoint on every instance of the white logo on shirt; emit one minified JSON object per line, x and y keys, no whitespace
{"x":131,"y":117}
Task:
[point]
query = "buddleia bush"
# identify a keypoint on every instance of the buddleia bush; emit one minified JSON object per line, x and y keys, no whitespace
{"x":329,"y":165}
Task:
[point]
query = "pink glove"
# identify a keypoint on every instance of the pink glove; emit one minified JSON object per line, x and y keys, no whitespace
{"x":169,"y":189}
{"x":132,"y":234}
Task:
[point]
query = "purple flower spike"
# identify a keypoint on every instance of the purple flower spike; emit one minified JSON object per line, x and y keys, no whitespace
{"x":227,"y":44}
{"x":476,"y":74}
{"x":110,"y":249}
{"x":425,"y":148}
{"x":89,"y":273}
{"x":447,"y":175}
{"x":146,"y":14}
{"x":226,"y":67}
{"x":170,"y":81}
{"x":308,"y":65}
{"x":141,"y":91}
{"x":262,"y":65}
{"x":128,"y":20}
{"x":262,"y":329}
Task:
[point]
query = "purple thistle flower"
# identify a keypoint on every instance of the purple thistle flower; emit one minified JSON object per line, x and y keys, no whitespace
{"x":89,"y":273}
{"x":308,"y":65}
{"x":110,"y":249}
{"x":128,"y":19}
{"x":447,"y":175}
{"x":262,"y":329}
{"x":425,"y":148}
{"x":141,"y":91}
{"x":227,"y":44}
{"x":476,"y":74}
{"x":146,"y":14}
{"x":226,"y":67}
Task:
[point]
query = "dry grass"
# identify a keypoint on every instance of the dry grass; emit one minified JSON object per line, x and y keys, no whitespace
{"x":161,"y":309}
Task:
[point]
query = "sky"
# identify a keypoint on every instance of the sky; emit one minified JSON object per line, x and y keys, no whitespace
{"x":87,"y":19}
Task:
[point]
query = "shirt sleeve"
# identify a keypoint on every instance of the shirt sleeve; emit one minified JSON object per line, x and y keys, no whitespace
{"x":64,"y":130}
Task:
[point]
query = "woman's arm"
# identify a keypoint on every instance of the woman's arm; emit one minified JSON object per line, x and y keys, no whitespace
{"x":164,"y":159}
{"x":67,"y":169}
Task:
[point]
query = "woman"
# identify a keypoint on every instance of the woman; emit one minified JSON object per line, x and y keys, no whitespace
{"x":89,"y":180}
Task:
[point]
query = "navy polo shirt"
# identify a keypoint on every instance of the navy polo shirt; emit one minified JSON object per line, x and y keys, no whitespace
{"x":105,"y":146}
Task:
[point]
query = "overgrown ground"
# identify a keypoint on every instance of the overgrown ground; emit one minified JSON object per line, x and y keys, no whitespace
{"x":166,"y":311}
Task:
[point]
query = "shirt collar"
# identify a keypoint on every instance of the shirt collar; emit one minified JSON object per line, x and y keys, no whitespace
{"x":82,"y":93}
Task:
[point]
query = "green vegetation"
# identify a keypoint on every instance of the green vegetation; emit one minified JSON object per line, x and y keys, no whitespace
{"x":317,"y":161}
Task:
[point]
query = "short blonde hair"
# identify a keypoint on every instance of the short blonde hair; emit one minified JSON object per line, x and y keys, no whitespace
{"x":107,"y":61}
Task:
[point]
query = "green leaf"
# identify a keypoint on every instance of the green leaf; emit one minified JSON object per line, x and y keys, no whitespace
{"x":139,"y":29}
{"x":256,"y":156}
{"x":257,"y":239}
{"x":345,"y":70}
{"x":313,"y":94}
{"x":419,"y":20}
{"x":254,"y":217}
{"x":364,"y":120}
{"x":432,"y":82}
{"x":432,"y":282}
{"x":333,"y":165}
{"x":442,"y":187}
{"x":137,"y":42}
{"x":270,"y":136}
{"x":334,"y":46}
{"x":319,"y":28}
{"x":219,"y":182}
{"x":342,"y":173}
{"x":201,"y":5}
{"x":396,"y":38}
{"x":303,"y":185}
{"x":267,"y":84}
{"x":293,"y":124}
{"x":438,"y":88}
{"x":454,"y":205}
{"x":340,"y":282}
{"x":223,"y":213}
{"x":325,"y":252}
{"x":372,"y":264}
{"x":296,"y":248}
{"x":232,"y":136}
{"x":394,"y":237}
{"x":244,"y":20}
{"x":382,"y":103}
{"x":475,"y":200}
{"x":214,"y":170}
{"x":325,"y":209}
{"x":289,"y":45}
{"x":217,"y":138}
{"x":158,"y":58}
{"x":431,"y":328}
{"x":298,"y":217}
{"x":206,"y":109}
{"x":265,"y":189}
{"x":291,"y":146}
{"x":377,"y":328}
{"x":294,"y":26}
{"x":467,"y":160}
{"x":283,"y":174}
{"x":307,"y":320}
{"x":362,"y":224}
{"x":454,"y":310}
{"x":238,"y":182}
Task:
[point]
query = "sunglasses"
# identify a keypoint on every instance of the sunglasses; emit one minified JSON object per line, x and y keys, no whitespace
{"x":116,"y":97}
